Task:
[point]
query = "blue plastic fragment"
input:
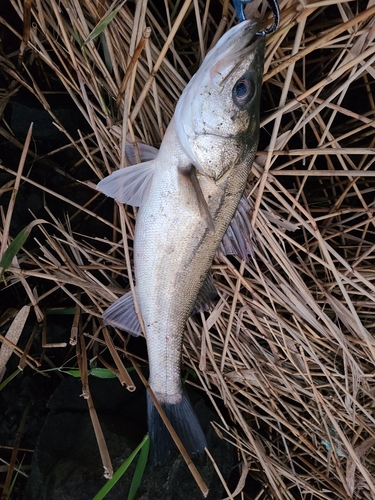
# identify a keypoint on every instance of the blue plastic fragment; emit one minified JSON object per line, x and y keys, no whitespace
{"x":328,"y":447}
{"x":239,"y":6}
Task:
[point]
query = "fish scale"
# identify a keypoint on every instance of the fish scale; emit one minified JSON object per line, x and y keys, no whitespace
{"x":188,"y":193}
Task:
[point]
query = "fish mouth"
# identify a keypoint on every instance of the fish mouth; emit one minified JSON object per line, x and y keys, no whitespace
{"x":232,"y":50}
{"x":241,"y":37}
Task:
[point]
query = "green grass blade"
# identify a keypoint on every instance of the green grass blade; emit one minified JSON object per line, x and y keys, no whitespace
{"x":102,"y":24}
{"x":189,"y":372}
{"x":106,"y":53}
{"x":13,"y":249}
{"x":138,"y":473}
{"x":16,"y":245}
{"x":62,"y":311}
{"x":120,"y":471}
{"x":72,"y":373}
{"x":9,"y":495}
{"x":11,"y":377}
{"x":102,"y":373}
{"x":95,"y":372}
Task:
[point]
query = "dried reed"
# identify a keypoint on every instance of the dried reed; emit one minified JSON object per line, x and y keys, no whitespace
{"x":289,"y":348}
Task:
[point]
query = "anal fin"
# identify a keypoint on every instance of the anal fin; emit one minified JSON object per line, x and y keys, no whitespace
{"x":121,"y":314}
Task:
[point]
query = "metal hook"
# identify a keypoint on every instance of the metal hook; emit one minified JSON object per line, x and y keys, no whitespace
{"x":239,"y":8}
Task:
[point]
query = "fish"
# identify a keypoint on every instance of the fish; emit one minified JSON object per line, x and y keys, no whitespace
{"x":190,"y":195}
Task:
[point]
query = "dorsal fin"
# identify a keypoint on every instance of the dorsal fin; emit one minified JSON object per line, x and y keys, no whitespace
{"x":129,"y":185}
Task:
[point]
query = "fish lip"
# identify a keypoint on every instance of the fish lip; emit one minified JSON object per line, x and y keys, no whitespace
{"x":250,"y":44}
{"x":236,"y":41}
{"x":245,"y":42}
{"x":247,"y":29}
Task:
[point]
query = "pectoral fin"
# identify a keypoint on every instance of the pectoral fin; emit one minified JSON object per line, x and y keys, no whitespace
{"x":237,"y":239}
{"x":121,"y":314}
{"x":129,"y":185}
{"x":191,"y":174}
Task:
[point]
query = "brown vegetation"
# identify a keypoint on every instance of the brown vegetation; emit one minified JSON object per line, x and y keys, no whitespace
{"x":289,"y":346}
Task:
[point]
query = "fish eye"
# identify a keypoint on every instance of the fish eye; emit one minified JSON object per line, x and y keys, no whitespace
{"x":242,"y":91}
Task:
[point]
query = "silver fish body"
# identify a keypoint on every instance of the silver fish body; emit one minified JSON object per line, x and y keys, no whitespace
{"x":204,"y":161}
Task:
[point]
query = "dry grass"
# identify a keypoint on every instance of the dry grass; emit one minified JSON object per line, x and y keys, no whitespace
{"x":289,"y":346}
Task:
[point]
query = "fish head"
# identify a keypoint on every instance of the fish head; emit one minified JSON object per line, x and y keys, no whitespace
{"x":217,"y":116}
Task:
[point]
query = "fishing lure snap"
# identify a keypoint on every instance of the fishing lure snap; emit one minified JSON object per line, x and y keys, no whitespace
{"x":239,"y":8}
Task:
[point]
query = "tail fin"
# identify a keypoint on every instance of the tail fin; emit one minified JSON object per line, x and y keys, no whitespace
{"x":185,"y":423}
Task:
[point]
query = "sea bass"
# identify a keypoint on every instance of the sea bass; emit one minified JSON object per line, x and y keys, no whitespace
{"x":188,"y":193}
